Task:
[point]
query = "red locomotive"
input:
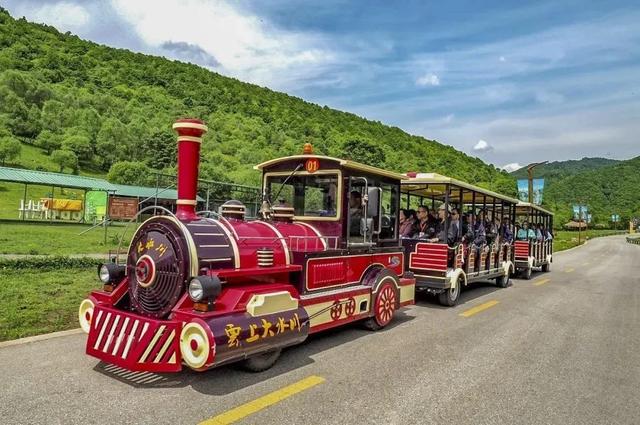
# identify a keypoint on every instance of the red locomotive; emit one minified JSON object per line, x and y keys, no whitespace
{"x":206,"y":291}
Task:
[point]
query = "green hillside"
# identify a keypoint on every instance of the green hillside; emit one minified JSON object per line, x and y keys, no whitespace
{"x":613,"y":189}
{"x":107,"y":105}
{"x":561,"y":169}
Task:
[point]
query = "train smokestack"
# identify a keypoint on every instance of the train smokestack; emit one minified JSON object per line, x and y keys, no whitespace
{"x":190,"y":133}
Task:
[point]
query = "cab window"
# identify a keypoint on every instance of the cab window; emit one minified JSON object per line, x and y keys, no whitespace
{"x":310,"y":195}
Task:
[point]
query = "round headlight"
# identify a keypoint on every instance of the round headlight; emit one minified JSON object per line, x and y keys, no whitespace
{"x":103,"y":273}
{"x":111,"y":273}
{"x":196,"y":292}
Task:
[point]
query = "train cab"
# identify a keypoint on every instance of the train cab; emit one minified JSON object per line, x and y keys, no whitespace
{"x":533,"y":247}
{"x":470,"y":241}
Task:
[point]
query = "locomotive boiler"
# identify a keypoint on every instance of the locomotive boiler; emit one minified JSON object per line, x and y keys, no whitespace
{"x":203,"y":291}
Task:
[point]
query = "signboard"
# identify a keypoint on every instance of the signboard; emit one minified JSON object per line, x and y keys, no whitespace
{"x":95,"y":206}
{"x":312,"y":165}
{"x":122,"y":208}
{"x":580,"y":212}
{"x":615,"y":218}
{"x":523,"y":190}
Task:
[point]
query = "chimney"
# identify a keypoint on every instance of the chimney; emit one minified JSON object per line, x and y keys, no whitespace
{"x":190,"y":133}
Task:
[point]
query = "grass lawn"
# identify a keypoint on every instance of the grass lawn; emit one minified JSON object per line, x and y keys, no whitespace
{"x":565,"y":239}
{"x":58,"y":239}
{"x":32,"y":158}
{"x":34,"y":302}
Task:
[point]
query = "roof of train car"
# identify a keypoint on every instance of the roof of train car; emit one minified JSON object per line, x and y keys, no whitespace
{"x":526,"y":205}
{"x":415,"y":185}
{"x":342,"y":162}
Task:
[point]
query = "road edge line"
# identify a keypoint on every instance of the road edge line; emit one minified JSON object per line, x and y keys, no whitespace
{"x":37,"y":338}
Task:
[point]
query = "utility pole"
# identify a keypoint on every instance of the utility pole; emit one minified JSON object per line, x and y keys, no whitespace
{"x":530,"y":168}
{"x":579,"y":221}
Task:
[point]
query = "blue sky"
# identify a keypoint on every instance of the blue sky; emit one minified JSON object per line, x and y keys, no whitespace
{"x":510,"y":82}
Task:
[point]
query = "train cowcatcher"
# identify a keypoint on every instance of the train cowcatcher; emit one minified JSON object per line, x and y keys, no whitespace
{"x":207,"y":289}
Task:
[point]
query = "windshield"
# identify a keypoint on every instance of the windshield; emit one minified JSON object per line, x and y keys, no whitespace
{"x":310,"y":195}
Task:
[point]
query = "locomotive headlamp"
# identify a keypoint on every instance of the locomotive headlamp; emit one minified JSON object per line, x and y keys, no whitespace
{"x":110,"y":273}
{"x":204,"y":288}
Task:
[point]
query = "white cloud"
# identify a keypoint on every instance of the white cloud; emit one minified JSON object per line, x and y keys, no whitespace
{"x":428,"y":80}
{"x":509,"y":168}
{"x":503,"y":59}
{"x":63,"y":15}
{"x":244,"y":45}
{"x":482,"y":147}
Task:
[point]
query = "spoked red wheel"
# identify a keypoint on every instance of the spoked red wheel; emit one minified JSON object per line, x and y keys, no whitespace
{"x":336,"y":310}
{"x":350,"y":307}
{"x":385,"y":304}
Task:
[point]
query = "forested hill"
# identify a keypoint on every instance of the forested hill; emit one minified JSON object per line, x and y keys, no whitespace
{"x":561,"y":169}
{"x":107,"y":105}
{"x":606,"y":190}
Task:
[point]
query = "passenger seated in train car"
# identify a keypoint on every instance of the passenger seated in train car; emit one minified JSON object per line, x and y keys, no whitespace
{"x":444,"y":234}
{"x":424,"y":229}
{"x":407,"y":224}
{"x":524,"y":233}
{"x":464,"y":224}
{"x":547,"y":234}
{"x":355,"y":212}
{"x":490,"y":230}
{"x":455,"y":221}
{"x":539,"y":236}
{"x":479,"y":232}
{"x":505,"y":231}
{"x":496,"y":229}
{"x":433,"y":217}
{"x":479,"y":236}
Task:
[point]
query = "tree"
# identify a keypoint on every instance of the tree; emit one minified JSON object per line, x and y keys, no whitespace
{"x":65,"y":159}
{"x":161,"y":149}
{"x":9,"y":148}
{"x":48,"y":141}
{"x":78,"y":144}
{"x":111,"y":142}
{"x":53,"y":116}
{"x":364,"y":152}
{"x":129,"y":172}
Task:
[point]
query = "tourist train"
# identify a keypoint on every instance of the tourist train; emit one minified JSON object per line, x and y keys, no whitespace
{"x":203,"y":289}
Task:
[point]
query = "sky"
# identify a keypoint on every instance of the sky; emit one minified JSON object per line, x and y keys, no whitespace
{"x":509,"y":82}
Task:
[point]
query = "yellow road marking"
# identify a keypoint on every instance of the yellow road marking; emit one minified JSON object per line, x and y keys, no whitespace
{"x":234,"y":415}
{"x":478,"y":309}
{"x":586,"y":263}
{"x":569,"y":270}
{"x":541,"y":282}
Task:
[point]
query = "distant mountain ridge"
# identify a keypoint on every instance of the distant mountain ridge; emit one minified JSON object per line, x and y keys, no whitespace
{"x":606,"y":186}
{"x":559,"y":169}
{"x":107,"y":105}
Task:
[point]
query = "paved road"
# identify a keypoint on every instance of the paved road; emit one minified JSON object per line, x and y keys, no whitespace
{"x":564,"y":350}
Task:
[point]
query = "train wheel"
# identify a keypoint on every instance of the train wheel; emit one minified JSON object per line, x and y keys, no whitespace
{"x":546,"y":267}
{"x":383,"y":307}
{"x":261,"y":362}
{"x":504,"y":280}
{"x":527,"y":273}
{"x":450,"y":296}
